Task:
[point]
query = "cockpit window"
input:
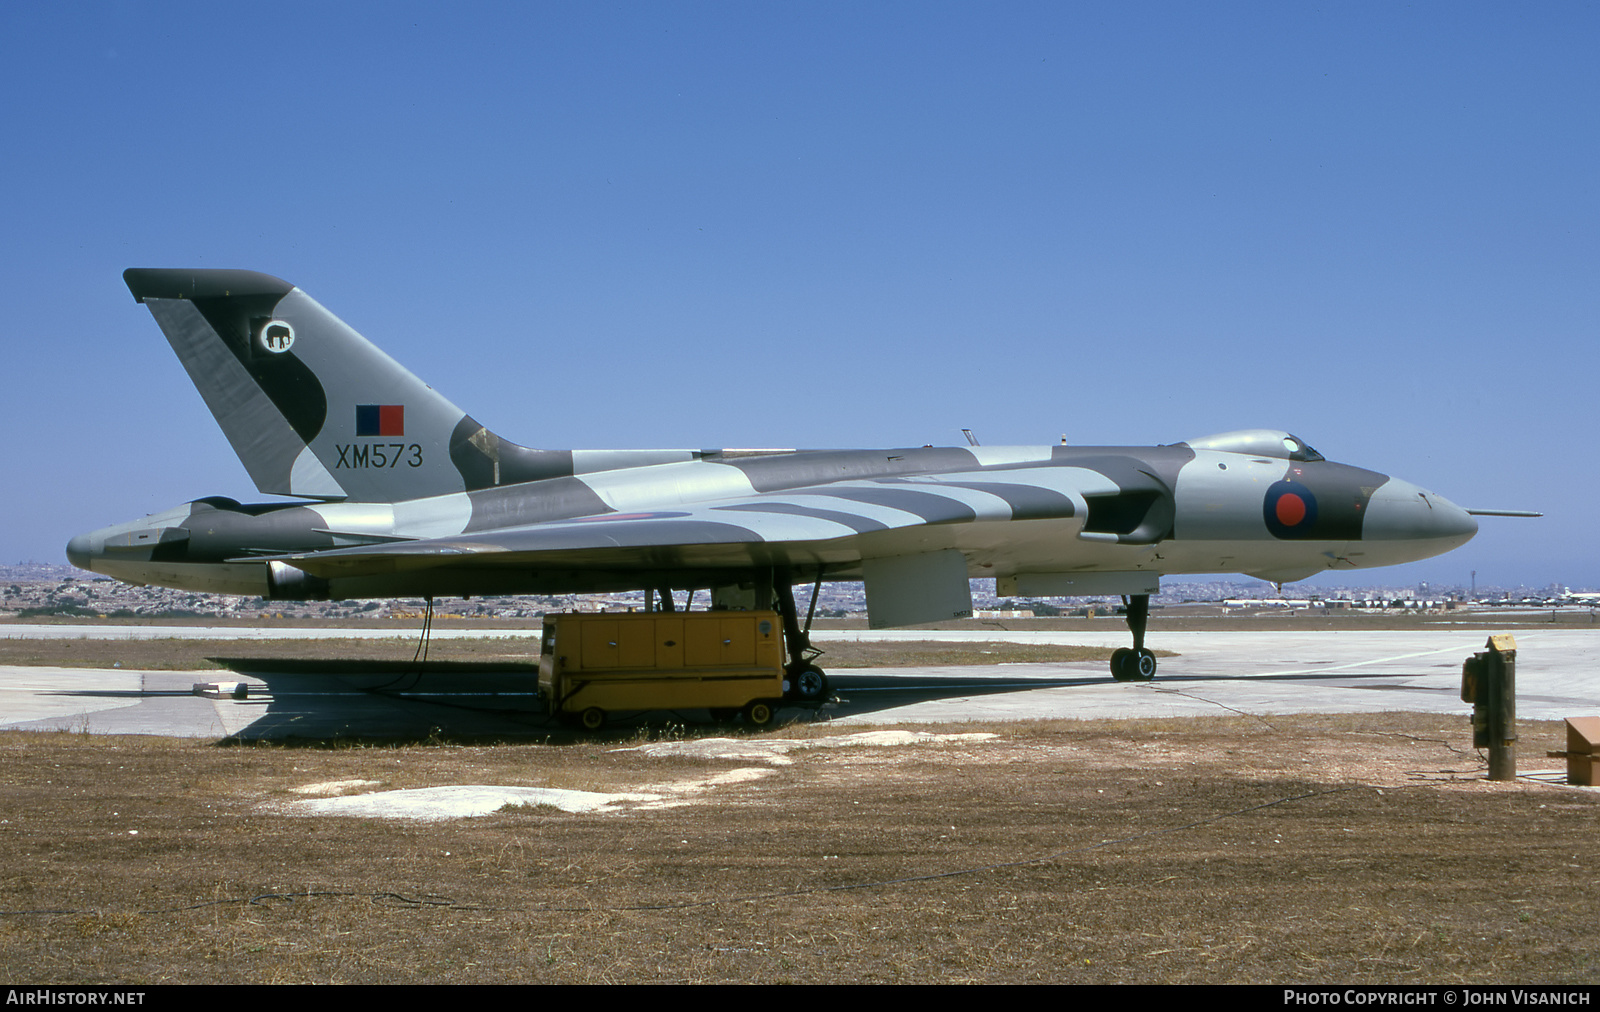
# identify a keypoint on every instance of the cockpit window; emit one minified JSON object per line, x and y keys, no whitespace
{"x":1258,"y":442}
{"x":1300,"y":450}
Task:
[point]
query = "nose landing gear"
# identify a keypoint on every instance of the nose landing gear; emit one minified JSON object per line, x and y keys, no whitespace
{"x":1137,"y":664}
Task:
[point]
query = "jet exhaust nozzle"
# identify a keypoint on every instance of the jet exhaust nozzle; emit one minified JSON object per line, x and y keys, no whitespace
{"x":286,"y":583}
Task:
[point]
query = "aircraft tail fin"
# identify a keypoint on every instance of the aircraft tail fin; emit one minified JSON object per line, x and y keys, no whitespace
{"x":314,"y":409}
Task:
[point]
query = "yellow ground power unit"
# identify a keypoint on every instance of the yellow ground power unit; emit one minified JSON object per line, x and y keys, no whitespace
{"x":726,"y":661}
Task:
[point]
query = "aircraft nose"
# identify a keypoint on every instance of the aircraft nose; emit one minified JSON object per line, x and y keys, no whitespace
{"x":83,"y":548}
{"x":1401,"y":511}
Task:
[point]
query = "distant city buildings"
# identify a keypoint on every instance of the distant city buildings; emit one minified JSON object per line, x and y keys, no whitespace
{"x":35,"y":589}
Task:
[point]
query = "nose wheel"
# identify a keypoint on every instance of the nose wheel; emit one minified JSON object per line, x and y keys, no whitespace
{"x":1132,"y":665}
{"x":1136,"y":664}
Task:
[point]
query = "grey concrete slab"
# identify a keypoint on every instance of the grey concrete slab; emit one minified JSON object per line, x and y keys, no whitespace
{"x":1216,"y":672}
{"x":278,"y":705}
{"x":56,"y":697}
{"x":110,"y":631}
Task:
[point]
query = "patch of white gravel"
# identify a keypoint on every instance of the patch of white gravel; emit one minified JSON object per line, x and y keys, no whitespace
{"x":432,"y":804}
{"x":774,"y":750}
{"x":334,"y":787}
{"x":435,"y":804}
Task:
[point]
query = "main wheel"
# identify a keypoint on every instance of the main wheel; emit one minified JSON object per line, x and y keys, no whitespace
{"x":593,"y":718}
{"x":810,"y":685}
{"x":760,"y":713}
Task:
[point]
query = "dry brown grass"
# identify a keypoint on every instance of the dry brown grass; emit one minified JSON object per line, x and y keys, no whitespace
{"x":1347,"y":848}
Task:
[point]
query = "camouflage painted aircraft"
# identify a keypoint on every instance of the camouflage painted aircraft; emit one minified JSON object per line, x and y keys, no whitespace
{"x":404,"y":494}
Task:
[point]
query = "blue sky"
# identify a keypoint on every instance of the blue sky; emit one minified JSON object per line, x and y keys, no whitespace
{"x":817,"y":224}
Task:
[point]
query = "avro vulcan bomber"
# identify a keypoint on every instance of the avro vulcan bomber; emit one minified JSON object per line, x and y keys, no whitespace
{"x":401,"y":493}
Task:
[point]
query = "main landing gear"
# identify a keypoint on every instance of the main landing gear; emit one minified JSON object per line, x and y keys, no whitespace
{"x":803,"y":682}
{"x":1137,"y":664}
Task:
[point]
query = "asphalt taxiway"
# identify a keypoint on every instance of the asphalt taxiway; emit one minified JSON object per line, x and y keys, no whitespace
{"x":1215,"y":672}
